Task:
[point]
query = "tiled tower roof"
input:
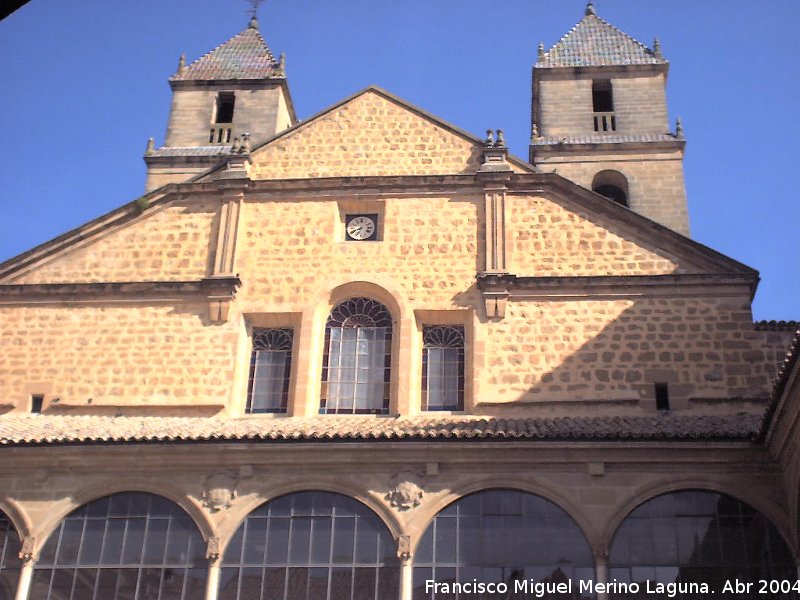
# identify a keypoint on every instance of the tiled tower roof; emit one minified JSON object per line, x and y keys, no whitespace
{"x":244,"y":56}
{"x":594,"y":42}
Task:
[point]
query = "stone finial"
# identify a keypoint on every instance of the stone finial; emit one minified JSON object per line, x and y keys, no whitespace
{"x":535,"y":131}
{"x":489,"y":141}
{"x":590,"y":9}
{"x":182,"y":63}
{"x":280,"y":68}
{"x":678,"y":128}
{"x":540,"y":51}
{"x":151,"y":147}
{"x":657,"y":48}
{"x":253,"y":23}
{"x":501,"y":139}
{"x":245,"y":143}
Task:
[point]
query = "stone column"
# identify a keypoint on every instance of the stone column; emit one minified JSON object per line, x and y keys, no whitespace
{"x":26,"y":574}
{"x":24,"y":581}
{"x":213,"y":556}
{"x":406,"y":567}
{"x":601,"y":569}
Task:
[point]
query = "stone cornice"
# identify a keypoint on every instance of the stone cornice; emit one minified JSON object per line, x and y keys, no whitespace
{"x":611,"y":286}
{"x":542,"y":148}
{"x":209,"y":288}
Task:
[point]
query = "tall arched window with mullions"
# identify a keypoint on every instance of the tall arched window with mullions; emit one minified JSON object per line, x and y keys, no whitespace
{"x":699,"y":537}
{"x":503,"y":536}
{"x":129,"y":546}
{"x":311,"y":546}
{"x":356,"y":366}
{"x":10,"y":563}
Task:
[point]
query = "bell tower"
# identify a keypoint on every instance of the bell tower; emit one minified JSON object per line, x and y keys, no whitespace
{"x":236,"y":92}
{"x":599,"y":118}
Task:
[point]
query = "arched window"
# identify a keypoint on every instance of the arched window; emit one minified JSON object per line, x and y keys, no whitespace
{"x":130,"y":546}
{"x":311,"y":546}
{"x":502,"y":536}
{"x":10,"y":563}
{"x":698,"y":537}
{"x":613,"y":185}
{"x":357,"y":362}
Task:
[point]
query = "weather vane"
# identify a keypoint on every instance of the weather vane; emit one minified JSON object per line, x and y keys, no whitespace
{"x":255,"y":4}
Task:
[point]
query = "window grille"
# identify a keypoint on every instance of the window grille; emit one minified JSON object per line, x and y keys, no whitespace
{"x":356,"y":365}
{"x":502,"y":536}
{"x":443,"y":367}
{"x":270,"y":368}
{"x":311,"y":546}
{"x":10,"y":563}
{"x":130,"y":546}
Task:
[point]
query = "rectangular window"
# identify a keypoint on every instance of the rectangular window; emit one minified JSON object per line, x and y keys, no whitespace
{"x":270,"y":368}
{"x":662,"y":396}
{"x":225,"y":102}
{"x":443,"y":367}
{"x":37,"y":400}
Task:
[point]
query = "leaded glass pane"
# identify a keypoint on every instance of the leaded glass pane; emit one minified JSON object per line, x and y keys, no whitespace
{"x":696,"y":537}
{"x":503,"y":536}
{"x":318,"y":546}
{"x":443,"y":367}
{"x":130,"y":546}
{"x":357,"y":362}
{"x":270,"y":370}
{"x":10,"y":563}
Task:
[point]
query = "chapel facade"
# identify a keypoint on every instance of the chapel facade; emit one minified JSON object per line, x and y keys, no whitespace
{"x":370,"y":355}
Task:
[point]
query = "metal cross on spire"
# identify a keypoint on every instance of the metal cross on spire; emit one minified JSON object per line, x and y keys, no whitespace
{"x":254,"y":4}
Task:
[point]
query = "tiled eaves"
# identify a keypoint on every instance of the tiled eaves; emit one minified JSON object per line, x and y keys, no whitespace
{"x":37,"y":430}
{"x":793,"y":326}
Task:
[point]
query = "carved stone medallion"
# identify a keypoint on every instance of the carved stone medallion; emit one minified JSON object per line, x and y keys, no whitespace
{"x":219,"y":491}
{"x":407,"y":491}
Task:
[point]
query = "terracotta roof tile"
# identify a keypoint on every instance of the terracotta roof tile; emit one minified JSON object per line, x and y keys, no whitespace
{"x":244,"y":56}
{"x":63,"y":429}
{"x":594,"y":42}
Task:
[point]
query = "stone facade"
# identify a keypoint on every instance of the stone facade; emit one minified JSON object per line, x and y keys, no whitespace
{"x":574,"y":311}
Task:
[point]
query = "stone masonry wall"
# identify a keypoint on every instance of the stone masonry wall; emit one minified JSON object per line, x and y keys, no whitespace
{"x":174,"y":243}
{"x":565,"y":103}
{"x":111,"y":355}
{"x":549,"y":240}
{"x":704,"y":347}
{"x":192,"y":114}
{"x":655,"y":181}
{"x":288,"y":250}
{"x":369,"y":135}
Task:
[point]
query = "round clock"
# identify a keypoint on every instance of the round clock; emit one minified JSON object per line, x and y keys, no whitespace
{"x":360,"y":227}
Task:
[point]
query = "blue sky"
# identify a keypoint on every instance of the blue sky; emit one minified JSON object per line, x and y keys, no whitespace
{"x":85,"y":85}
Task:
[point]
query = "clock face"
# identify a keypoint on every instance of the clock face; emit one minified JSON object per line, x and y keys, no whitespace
{"x":361,"y":227}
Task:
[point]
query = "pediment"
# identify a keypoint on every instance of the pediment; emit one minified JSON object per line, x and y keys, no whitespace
{"x":372,"y":133}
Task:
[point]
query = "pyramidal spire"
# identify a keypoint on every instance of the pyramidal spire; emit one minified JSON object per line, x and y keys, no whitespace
{"x":595,"y":42}
{"x":244,"y":56}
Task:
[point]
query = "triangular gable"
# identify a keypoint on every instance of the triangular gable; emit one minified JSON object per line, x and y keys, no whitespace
{"x":372,"y":133}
